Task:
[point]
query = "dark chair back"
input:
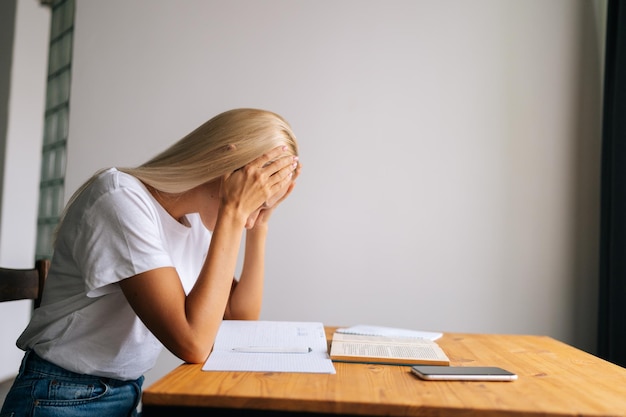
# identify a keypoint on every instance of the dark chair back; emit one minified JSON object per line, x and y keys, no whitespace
{"x":23,"y":284}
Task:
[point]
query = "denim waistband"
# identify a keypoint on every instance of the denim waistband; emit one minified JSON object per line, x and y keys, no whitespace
{"x":34,"y":363}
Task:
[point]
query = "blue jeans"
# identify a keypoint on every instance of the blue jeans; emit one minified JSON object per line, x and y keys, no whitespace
{"x":46,"y":390}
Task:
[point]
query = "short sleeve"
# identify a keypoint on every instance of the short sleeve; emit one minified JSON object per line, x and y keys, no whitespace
{"x":119,"y":237}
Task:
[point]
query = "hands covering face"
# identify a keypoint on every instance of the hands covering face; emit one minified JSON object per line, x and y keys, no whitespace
{"x":262,"y":185}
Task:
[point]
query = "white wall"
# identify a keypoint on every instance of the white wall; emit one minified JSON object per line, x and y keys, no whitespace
{"x":450,"y":148}
{"x":20,"y":174}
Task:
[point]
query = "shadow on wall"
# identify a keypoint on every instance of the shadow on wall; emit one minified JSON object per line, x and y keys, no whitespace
{"x":585,"y":198}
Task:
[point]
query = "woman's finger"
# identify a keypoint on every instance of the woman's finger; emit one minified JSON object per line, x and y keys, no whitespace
{"x":283,"y":175}
{"x":287,"y":184}
{"x":269,"y":157}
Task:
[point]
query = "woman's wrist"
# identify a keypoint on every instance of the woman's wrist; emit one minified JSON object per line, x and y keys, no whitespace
{"x":230,"y":214}
{"x":259,"y":230}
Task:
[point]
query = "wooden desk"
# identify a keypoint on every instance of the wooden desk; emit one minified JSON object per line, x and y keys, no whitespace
{"x":554,"y":380}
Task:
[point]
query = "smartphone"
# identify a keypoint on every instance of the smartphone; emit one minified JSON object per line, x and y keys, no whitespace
{"x":462,"y":373}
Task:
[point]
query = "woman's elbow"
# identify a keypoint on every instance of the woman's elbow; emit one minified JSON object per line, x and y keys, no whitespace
{"x":192,"y":353}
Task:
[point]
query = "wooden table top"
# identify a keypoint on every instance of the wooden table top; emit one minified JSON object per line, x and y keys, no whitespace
{"x":554,"y":379}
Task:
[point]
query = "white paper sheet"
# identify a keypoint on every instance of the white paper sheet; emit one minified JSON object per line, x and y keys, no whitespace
{"x":269,"y":336}
{"x":366,"y":330}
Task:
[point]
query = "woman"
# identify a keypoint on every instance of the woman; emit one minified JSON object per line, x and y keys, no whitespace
{"x":145,"y":257}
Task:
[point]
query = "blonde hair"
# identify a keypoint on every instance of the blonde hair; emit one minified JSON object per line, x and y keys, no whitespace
{"x":221,"y":145}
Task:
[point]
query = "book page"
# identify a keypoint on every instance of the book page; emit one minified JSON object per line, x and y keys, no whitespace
{"x":386,"y":350}
{"x":357,"y":348}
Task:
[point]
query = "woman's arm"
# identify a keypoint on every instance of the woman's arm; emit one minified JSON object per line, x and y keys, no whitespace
{"x":247,"y":295}
{"x":187,"y":324}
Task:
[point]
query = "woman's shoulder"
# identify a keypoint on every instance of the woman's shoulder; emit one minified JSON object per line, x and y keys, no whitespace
{"x":111,"y":180}
{"x":112,"y":184}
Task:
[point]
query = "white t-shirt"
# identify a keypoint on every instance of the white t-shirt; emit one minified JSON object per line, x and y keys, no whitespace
{"x":115,"y":230}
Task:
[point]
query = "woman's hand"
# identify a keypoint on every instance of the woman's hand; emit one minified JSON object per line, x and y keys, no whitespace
{"x":266,"y":179}
{"x":263,"y":214}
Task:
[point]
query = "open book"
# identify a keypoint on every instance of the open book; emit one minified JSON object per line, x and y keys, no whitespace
{"x":386,"y":350}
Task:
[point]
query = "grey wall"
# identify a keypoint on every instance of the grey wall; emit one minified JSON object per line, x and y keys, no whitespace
{"x":450,"y":148}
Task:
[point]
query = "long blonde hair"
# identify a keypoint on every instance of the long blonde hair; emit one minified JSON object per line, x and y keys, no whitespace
{"x":225,"y":143}
{"x":221,"y":145}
